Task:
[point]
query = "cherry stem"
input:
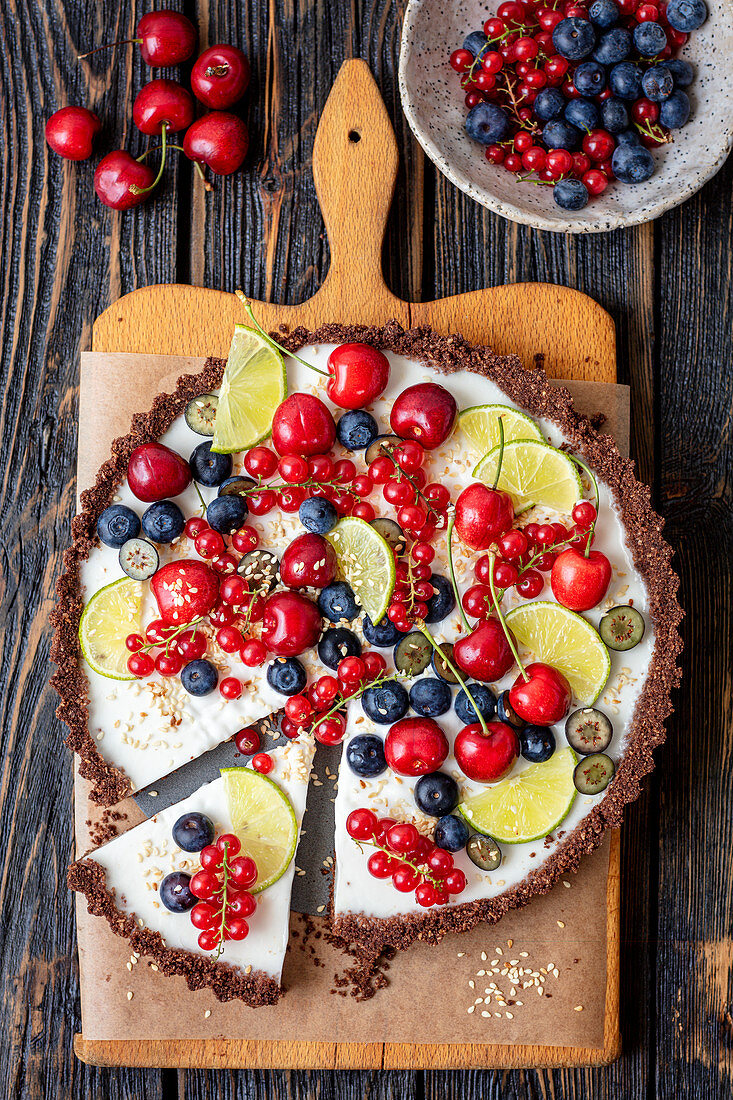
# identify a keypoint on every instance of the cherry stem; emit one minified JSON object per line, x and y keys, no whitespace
{"x":454,"y":582}
{"x":109,"y":46}
{"x":504,"y":627}
{"x":456,"y":673}
{"x":434,"y":881}
{"x":501,"y":453}
{"x":201,"y":499}
{"x":589,"y":473}
{"x":179,"y":149}
{"x":386,"y":449}
{"x":271,"y":339}
{"x":163,"y":147}
{"x":180,"y":629}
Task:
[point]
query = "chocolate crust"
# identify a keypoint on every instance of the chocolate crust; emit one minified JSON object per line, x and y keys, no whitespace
{"x":532,"y":390}
{"x":200,"y":972}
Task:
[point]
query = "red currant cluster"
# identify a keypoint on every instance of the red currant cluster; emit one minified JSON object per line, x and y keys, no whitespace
{"x":520,"y":60}
{"x":412,"y":861}
{"x":165,"y":649}
{"x":318,"y":476}
{"x":525,"y":554}
{"x":412,"y":587}
{"x":420,"y":508}
{"x":218,"y":139}
{"x":320,"y":707}
{"x":223,"y":885}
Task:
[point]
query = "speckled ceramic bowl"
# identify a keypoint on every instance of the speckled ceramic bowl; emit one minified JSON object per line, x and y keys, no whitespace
{"x":433,"y":103}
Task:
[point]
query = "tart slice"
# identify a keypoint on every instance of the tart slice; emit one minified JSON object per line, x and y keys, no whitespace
{"x":204,"y":886}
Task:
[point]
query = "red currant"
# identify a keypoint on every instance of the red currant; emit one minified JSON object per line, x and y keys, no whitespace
{"x":168,"y":664}
{"x":460,"y":60}
{"x":298,"y":709}
{"x":293,"y":468}
{"x":374,"y":663}
{"x":403,"y":838}
{"x":204,"y":915}
{"x":513,"y":163}
{"x":362,"y":485}
{"x":204,"y":885}
{"x":243,"y":871}
{"x":208,"y":940}
{"x":494,"y":154}
{"x":351,"y":670}
{"x":247,"y":741}
{"x":134,"y":642}
{"x":380,"y":865}
{"x":598,"y":144}
{"x":361,"y":824}
{"x":584,"y":515}
{"x":331,"y":730}
{"x":245,"y":539}
{"x":595,"y":181}
{"x":363,"y":510}
{"x":530,"y":584}
{"x":477,"y":601}
{"x":209,"y":544}
{"x":262,"y":762}
{"x":262,"y":502}
{"x":141,"y":664}
{"x":253,"y":653}
{"x":405,"y":879}
{"x":195,"y":526}
{"x":225,"y":564}
{"x":260,"y":462}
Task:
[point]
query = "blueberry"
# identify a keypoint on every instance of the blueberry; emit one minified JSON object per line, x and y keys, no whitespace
{"x":570,"y":194}
{"x":451,"y":833}
{"x":574,"y":38}
{"x":336,"y":643}
{"x":582,"y":113}
{"x":681,"y":71}
{"x":430,"y":697}
{"x":199,"y":677}
{"x":649,"y":39}
{"x":175,"y":892}
{"x":627,"y":137}
{"x":614,"y":115}
{"x":383,"y":635}
{"x":365,"y":756}
{"x":604,"y":13}
{"x":613,"y":46}
{"x":386,"y":703}
{"x":675,"y":111}
{"x":475,"y":42}
{"x":487,"y":123}
{"x":193,"y":831}
{"x":163,"y":521}
{"x":624,"y":80}
{"x":589,"y":78}
{"x":537,"y":743}
{"x":632,"y":163}
{"x":318,"y":515}
{"x":442,"y":601}
{"x":561,"y":135}
{"x":686,"y":15}
{"x":117,"y":524}
{"x":227,"y":514}
{"x":356,"y":430}
{"x":505,"y":712}
{"x":657,"y":83}
{"x":286,"y":675}
{"x":337,"y":601}
{"x":549,"y":104}
{"x":484,"y":699}
{"x":437,"y":794}
{"x":207,"y":467}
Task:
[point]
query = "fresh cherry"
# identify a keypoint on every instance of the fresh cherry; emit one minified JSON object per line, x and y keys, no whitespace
{"x":359,"y":373}
{"x":219,"y":140}
{"x":415,"y":746}
{"x":122,"y":182}
{"x":579,"y":581}
{"x":309,"y":561}
{"x":220,"y":76}
{"x":165,"y":38}
{"x":483,"y":515}
{"x":71,"y":132}
{"x":486,"y":757}
{"x":291,"y":623}
{"x":302,"y":425}
{"x":540,"y":696}
{"x":484,"y":654}
{"x":155,"y":472}
{"x":162,"y":103}
{"x":184,"y":589}
{"x":426,"y":413}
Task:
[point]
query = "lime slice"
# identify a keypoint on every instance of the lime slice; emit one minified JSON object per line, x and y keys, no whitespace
{"x":533,"y":473}
{"x":253,"y":386}
{"x":111,"y":614}
{"x":561,"y":638}
{"x":366,"y":562}
{"x":264,"y":821}
{"x":526,"y":806}
{"x":480,"y":425}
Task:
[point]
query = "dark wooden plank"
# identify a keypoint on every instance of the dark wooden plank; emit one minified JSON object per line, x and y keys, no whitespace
{"x":277,"y":1085}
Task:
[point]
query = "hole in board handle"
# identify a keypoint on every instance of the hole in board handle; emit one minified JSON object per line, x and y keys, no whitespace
{"x":354,"y":136}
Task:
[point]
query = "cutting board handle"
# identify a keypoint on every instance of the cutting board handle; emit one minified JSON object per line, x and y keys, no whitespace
{"x":355,"y":169}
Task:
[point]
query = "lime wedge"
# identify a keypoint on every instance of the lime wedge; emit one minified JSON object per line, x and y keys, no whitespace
{"x":480,"y":425}
{"x":253,"y":386}
{"x":111,"y":614}
{"x":533,"y":473}
{"x":561,"y":638}
{"x":264,"y":821}
{"x":526,"y":806}
{"x":366,"y":562}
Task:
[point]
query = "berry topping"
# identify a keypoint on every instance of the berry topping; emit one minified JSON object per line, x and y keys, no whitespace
{"x":117,"y":524}
{"x":486,"y":755}
{"x":540,"y":695}
{"x":302,"y":425}
{"x":199,"y":677}
{"x":415,"y":746}
{"x":308,"y":562}
{"x":425,"y":413}
{"x":185,"y":590}
{"x":359,"y":373}
{"x":193,"y":831}
{"x":175,"y":892}
{"x":155,"y":472}
{"x":365,"y":756}
{"x":291,"y":623}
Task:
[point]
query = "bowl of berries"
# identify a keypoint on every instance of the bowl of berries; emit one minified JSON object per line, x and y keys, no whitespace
{"x":576,"y":116}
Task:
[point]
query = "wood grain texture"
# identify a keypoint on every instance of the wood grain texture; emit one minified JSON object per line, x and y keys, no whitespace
{"x":667,"y":287}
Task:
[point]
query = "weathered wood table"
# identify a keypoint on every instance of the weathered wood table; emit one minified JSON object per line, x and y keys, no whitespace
{"x":65,"y":258}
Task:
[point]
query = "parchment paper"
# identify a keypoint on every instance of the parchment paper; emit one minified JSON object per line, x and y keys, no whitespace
{"x":566,"y":928}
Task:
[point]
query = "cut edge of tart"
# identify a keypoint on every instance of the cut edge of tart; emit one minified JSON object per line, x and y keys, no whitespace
{"x":651,"y":556}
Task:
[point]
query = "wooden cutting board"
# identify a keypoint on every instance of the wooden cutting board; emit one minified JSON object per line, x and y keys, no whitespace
{"x":355,"y":168}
